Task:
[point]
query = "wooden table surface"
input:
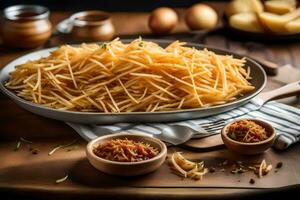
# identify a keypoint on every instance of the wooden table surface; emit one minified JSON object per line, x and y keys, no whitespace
{"x":16,"y":122}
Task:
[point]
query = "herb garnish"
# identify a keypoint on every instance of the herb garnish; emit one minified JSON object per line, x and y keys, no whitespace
{"x":141,"y":44}
{"x":252,"y":181}
{"x":104,"y":45}
{"x":232,"y":136}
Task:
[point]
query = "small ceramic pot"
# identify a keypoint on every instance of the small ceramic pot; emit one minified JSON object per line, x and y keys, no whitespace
{"x":25,"y":26}
{"x":91,"y":26}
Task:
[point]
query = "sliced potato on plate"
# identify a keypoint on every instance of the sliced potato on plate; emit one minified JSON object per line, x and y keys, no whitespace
{"x":293,"y":26}
{"x":243,"y":6}
{"x":279,"y":16}
{"x":280,"y":6}
{"x":272,"y":22}
{"x":257,"y":6}
{"x":276,"y":23}
{"x":245,"y":22}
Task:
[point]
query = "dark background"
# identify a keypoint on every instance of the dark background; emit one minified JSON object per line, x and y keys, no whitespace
{"x":108,"y":5}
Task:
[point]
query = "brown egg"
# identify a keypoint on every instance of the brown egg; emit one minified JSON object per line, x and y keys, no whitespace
{"x":201,"y":16}
{"x":162,"y":20}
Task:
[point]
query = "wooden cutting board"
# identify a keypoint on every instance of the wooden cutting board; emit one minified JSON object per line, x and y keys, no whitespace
{"x":24,"y":169}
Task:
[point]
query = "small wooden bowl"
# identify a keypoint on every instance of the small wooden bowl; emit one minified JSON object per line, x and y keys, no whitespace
{"x":127,"y":168}
{"x":249,"y":148}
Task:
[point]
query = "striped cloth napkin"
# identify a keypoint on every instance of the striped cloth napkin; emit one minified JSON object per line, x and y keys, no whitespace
{"x":285,"y":119}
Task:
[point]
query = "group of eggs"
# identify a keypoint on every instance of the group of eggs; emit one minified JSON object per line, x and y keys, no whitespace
{"x":198,"y":17}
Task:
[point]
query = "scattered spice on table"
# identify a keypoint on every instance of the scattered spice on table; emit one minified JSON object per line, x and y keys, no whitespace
{"x":234,"y":167}
{"x":212,"y":170}
{"x":72,"y":148}
{"x":279,"y":165}
{"x":238,"y":171}
{"x":239,"y":162}
{"x":238,"y":167}
{"x":30,"y":148}
{"x":225,"y":162}
{"x":34,"y":151}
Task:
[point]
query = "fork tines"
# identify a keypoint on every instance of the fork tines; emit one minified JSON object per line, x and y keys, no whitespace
{"x":214,"y":126}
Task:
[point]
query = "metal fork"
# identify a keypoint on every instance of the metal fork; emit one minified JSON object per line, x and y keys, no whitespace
{"x":209,"y":129}
{"x":178,"y":134}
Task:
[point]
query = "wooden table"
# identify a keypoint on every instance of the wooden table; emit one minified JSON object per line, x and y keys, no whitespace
{"x":16,"y":122}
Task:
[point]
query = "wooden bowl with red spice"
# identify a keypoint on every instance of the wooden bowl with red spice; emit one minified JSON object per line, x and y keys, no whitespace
{"x":126,"y":154}
{"x":248,"y":136}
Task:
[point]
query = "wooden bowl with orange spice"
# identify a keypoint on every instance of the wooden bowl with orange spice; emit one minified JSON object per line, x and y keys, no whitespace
{"x":126,"y":154}
{"x":248,"y":136}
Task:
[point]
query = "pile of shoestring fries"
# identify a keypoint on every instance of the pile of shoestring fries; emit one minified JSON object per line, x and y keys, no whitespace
{"x":137,"y":77}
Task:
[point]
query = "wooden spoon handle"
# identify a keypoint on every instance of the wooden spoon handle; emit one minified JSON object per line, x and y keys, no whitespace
{"x":285,"y":91}
{"x":270,"y":68}
{"x":209,"y":143}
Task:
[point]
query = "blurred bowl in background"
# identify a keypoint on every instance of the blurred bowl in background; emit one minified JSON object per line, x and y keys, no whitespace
{"x":25,"y":26}
{"x":91,"y":25}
